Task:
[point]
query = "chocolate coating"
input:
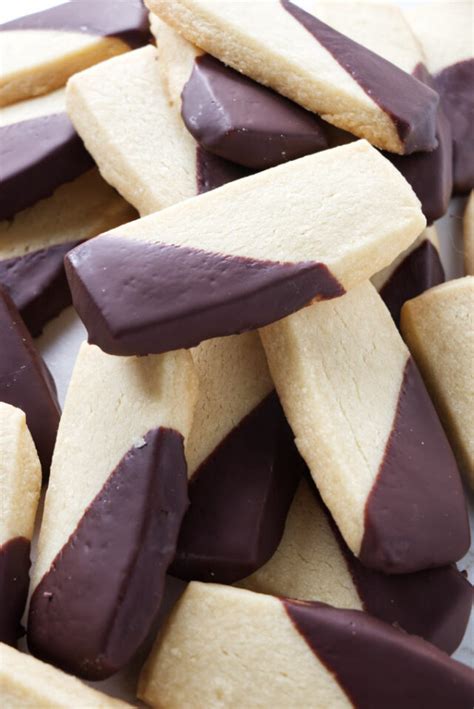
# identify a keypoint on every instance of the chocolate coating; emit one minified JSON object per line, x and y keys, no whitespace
{"x":416,"y":515}
{"x":240,"y":498}
{"x":37,"y":284}
{"x":25,"y":381}
{"x":455,"y":86}
{"x":213,"y":171}
{"x":411,"y":105}
{"x":96,"y":17}
{"x":36,"y":157}
{"x":379,"y":666}
{"x":247,"y":123}
{"x":14,"y":582}
{"x":141,"y":298}
{"x":420,"y":269}
{"x":94,"y":607}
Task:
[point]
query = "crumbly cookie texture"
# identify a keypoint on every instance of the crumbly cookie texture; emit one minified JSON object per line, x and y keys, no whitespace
{"x":28,"y":682}
{"x":54,"y":102}
{"x":468,"y":228}
{"x":439,"y":329}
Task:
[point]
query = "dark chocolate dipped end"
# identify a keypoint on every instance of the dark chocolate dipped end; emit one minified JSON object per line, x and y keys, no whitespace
{"x":141,"y":298}
{"x":213,"y":171}
{"x":14,"y":582}
{"x":240,"y":496}
{"x":94,"y":607}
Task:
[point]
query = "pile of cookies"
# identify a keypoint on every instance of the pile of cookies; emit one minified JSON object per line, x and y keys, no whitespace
{"x":276,"y":398}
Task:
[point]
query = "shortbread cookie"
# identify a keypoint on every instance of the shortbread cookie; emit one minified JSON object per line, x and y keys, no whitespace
{"x":153,"y":162}
{"x":41,"y":51}
{"x":25,"y":381}
{"x":242,"y":465}
{"x":439,"y":329}
{"x":33,"y":244}
{"x":384,"y":30}
{"x":281,"y":46}
{"x":413,"y":271}
{"x":46,"y":105}
{"x":224,"y":646}
{"x":20,"y":486}
{"x":231,"y":115}
{"x":115,"y":501}
{"x":368,"y":431}
{"x":469,"y":236}
{"x":250,"y":253}
{"x":444,"y":30}
{"x":30,"y":684}
{"x":313,"y":563}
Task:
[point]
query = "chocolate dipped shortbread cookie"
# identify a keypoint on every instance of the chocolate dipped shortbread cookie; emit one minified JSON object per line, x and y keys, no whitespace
{"x":444,"y":30}
{"x":25,"y":381}
{"x":282,"y":46}
{"x":439,"y":329}
{"x":468,"y":229}
{"x":413,"y":271}
{"x":313,"y":563}
{"x":242,"y":465}
{"x":238,"y":648}
{"x":28,"y":682}
{"x":41,"y":51}
{"x":246,"y":254}
{"x":20,"y":486}
{"x":368,"y":431}
{"x":115,"y":501}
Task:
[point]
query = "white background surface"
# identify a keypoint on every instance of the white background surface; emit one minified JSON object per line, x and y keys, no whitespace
{"x":63,"y":336}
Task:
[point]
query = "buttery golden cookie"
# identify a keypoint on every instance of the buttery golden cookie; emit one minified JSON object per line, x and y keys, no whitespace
{"x":313,"y":563}
{"x":242,"y":465}
{"x":224,"y":262}
{"x":20,"y":486}
{"x":439,"y":329}
{"x":369,"y":433}
{"x":282,"y":46}
{"x":41,"y":51}
{"x":115,"y":501}
{"x":468,"y":227}
{"x":25,"y":381}
{"x":25,"y":682}
{"x":413,"y":271}
{"x":444,"y":30}
{"x":140,"y":144}
{"x":228,"y":647}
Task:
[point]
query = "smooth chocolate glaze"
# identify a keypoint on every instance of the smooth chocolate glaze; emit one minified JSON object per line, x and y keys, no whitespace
{"x":37,"y":284}
{"x":240,"y":498}
{"x":430,"y":174}
{"x":380,"y":666}
{"x":420,"y":269}
{"x":455,"y":86}
{"x":127,"y":20}
{"x":137,"y":298}
{"x":14,"y":582}
{"x":244,"y":122}
{"x":416,"y":515}
{"x":411,"y":105}
{"x":94,"y":607}
{"x":213,"y":171}
{"x":36,"y":157}
{"x":25,"y":381}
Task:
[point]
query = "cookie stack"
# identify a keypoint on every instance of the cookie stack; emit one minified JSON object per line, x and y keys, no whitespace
{"x":275,"y":401}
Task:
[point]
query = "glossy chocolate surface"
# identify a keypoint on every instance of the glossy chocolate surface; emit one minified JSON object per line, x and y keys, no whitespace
{"x":94,"y":607}
{"x":37,"y":284}
{"x":247,"y":123}
{"x":420,"y":269}
{"x":213,"y":171}
{"x":136,"y":297}
{"x":380,"y":666}
{"x":240,"y":498}
{"x":416,"y":515}
{"x":25,"y":381}
{"x":14,"y":582}
{"x":411,"y":105}
{"x":455,"y":85}
{"x":36,"y":157}
{"x":127,"y":20}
